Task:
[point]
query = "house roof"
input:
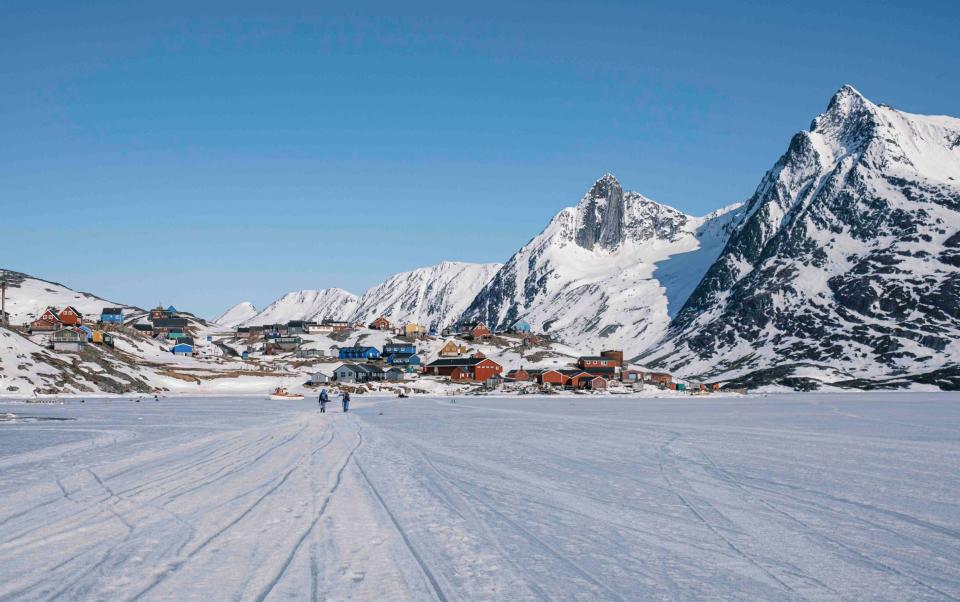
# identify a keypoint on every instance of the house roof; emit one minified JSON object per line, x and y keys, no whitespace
{"x":111,"y":311}
{"x":597,"y":358}
{"x":458,"y":361}
{"x":402,"y":356}
{"x":573,"y":372}
{"x":169,"y":322}
{"x":360,"y":349}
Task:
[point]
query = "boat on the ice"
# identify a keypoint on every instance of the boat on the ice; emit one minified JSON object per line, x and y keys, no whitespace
{"x":281,"y":393}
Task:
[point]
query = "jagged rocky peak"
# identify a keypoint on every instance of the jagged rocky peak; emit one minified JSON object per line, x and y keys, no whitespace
{"x":601,"y":214}
{"x":848,"y":122}
{"x":607,"y":216}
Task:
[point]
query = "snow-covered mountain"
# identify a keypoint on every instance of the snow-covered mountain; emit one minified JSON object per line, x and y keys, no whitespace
{"x":28,"y":297}
{"x":846,"y":263}
{"x":238,"y":314}
{"x":608,"y":272}
{"x":328,"y":303}
{"x":432,"y":296}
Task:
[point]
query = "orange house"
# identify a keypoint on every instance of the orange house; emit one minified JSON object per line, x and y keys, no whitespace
{"x":70,"y":316}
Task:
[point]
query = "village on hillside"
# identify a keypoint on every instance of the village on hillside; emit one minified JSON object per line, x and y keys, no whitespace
{"x":379,"y":356}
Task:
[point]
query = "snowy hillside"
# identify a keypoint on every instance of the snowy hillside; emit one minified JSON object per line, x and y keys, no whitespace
{"x":608,"y":272}
{"x":433,"y":296}
{"x":847,"y":261}
{"x":239,"y":313}
{"x":329,"y":303}
{"x":28,"y":297}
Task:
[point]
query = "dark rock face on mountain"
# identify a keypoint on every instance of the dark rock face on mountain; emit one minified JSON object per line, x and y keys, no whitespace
{"x":846,"y":261}
{"x":606,"y":271}
{"x":601,"y":215}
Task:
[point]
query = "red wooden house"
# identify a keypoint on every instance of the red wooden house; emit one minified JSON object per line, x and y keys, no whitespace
{"x":48,"y":321}
{"x":380,"y":323}
{"x":577,"y":379}
{"x":659,"y":378}
{"x":476,"y":330}
{"x":614,"y":354}
{"x":598,"y":365}
{"x":464,"y":368}
{"x":552,"y":377}
{"x":520,"y":375}
{"x":70,"y":316}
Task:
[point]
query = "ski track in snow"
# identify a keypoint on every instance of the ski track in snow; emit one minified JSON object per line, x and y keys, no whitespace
{"x":783,"y":497}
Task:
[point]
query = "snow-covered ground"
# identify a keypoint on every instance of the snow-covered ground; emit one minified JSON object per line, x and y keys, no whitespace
{"x":780,"y":497}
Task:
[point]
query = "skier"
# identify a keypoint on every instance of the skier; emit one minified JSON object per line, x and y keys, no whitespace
{"x":324,"y":398}
{"x":346,"y":401}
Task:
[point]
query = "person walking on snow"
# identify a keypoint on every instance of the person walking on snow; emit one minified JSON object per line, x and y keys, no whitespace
{"x":346,"y":401}
{"x":324,"y":398}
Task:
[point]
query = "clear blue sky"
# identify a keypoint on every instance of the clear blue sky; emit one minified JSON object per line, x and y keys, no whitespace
{"x":203,"y":156}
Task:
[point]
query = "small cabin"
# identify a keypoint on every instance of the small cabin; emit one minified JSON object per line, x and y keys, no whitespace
{"x":380,"y":323}
{"x":452,"y":349}
{"x":111,"y":315}
{"x":319,"y":378}
{"x":414,"y":330}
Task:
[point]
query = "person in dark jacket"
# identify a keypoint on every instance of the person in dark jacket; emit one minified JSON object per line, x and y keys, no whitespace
{"x":324,"y":398}
{"x":346,"y":401}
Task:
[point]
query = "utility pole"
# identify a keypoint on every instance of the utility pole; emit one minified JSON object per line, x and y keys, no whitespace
{"x":3,"y":301}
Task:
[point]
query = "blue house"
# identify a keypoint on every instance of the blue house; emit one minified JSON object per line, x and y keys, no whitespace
{"x":359,"y":353}
{"x":245,"y":355}
{"x":88,"y":332}
{"x":403,"y":359}
{"x":182,"y":349}
{"x":112,"y":315}
{"x":520,"y":326}
{"x":391,"y":348}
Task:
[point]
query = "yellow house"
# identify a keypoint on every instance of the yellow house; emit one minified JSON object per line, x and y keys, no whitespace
{"x":414,"y":330}
{"x":97,"y":337}
{"x":452,"y":349}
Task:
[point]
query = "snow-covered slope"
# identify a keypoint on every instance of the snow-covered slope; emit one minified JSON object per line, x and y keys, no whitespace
{"x":608,"y":272}
{"x":433,"y":296}
{"x":847,"y":259}
{"x":329,"y":303}
{"x":239,"y":313}
{"x":28,"y":297}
